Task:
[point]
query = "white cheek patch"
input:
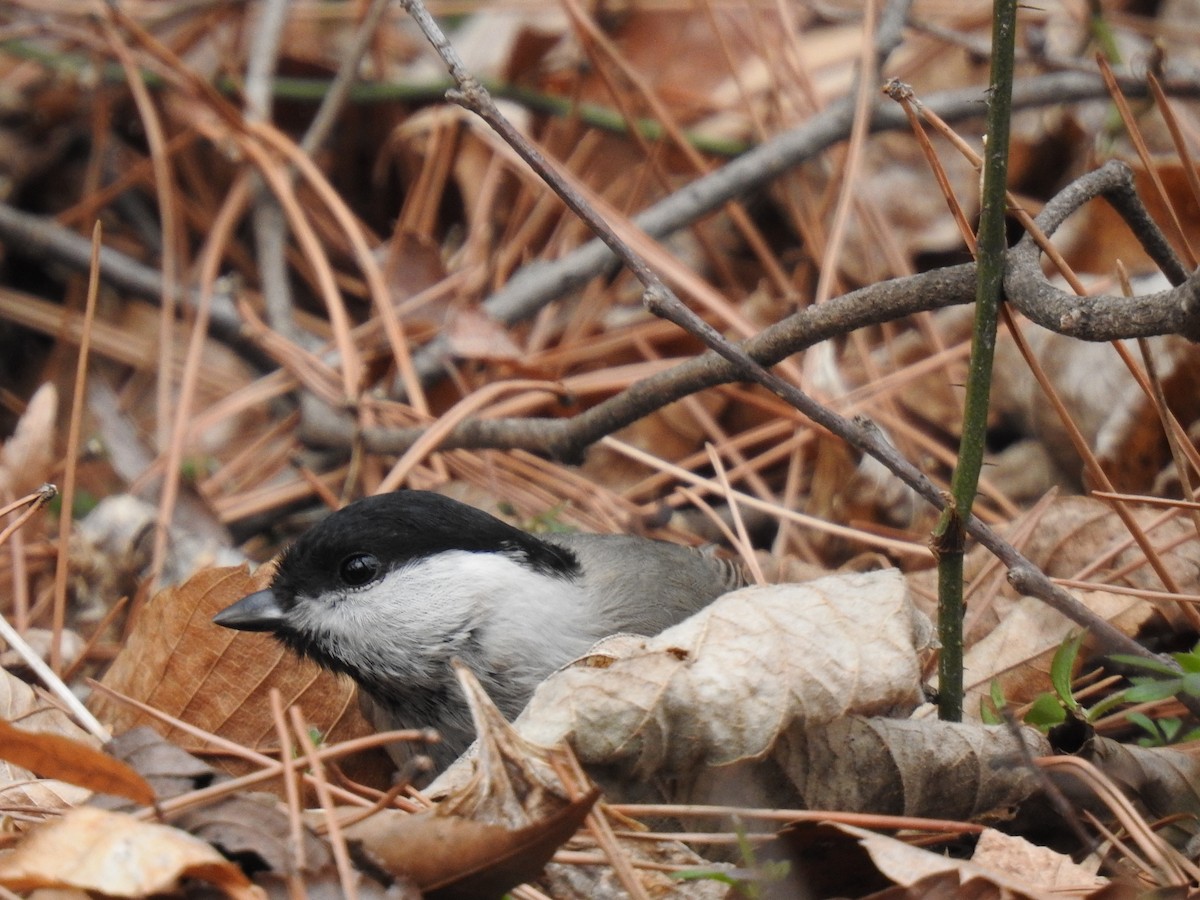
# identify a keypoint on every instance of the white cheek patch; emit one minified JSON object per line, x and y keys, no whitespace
{"x":409,"y":623}
{"x":488,"y":609}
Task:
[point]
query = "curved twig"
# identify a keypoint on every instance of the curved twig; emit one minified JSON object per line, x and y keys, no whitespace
{"x":1104,"y":318}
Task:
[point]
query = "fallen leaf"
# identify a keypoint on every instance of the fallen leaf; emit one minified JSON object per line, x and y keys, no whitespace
{"x":56,"y":756}
{"x":494,"y":832}
{"x":723,"y":685}
{"x":910,"y":767}
{"x":450,"y":856}
{"x":176,"y":660}
{"x":168,"y":768}
{"x":115,"y":854}
{"x":869,"y":862}
{"x":27,"y":457}
{"x":18,"y":787}
{"x":1046,"y":868}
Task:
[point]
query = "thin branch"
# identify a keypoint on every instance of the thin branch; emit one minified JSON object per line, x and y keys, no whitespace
{"x":568,"y":438}
{"x":1104,"y":318}
{"x":1100,"y":318}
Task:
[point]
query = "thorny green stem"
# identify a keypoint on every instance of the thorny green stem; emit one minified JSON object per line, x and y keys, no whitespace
{"x":949,"y":536}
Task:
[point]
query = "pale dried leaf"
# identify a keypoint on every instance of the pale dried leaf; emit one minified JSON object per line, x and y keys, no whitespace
{"x":1073,"y":535}
{"x":39,"y":641}
{"x":1019,"y":650}
{"x":26,"y":458}
{"x":1040,"y":866}
{"x":911,"y":767}
{"x":723,"y":685}
{"x":116,"y":855}
{"x":112,"y":548}
{"x":18,"y":786}
{"x":1115,"y":416}
{"x":906,"y":865}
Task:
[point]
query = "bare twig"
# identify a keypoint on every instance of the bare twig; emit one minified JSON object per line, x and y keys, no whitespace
{"x":567,"y":438}
{"x":1104,"y":318}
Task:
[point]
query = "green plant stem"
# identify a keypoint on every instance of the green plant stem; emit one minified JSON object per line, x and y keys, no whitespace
{"x":949,"y":537}
{"x":312,"y":90}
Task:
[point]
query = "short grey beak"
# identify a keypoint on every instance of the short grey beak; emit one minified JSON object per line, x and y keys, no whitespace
{"x":259,"y":611}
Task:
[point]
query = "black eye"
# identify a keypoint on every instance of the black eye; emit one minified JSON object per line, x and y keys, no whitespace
{"x":359,"y":569}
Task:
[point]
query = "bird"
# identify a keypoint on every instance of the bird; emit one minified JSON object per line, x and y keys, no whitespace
{"x":391,"y":588}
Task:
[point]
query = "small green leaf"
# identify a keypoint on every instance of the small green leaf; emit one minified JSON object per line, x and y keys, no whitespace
{"x":705,"y":875}
{"x":1062,"y":666}
{"x":1189,"y":662}
{"x":1149,"y":691}
{"x":997,"y":693}
{"x":1148,"y":725}
{"x":1190,"y":684}
{"x":1046,"y":710}
{"x":1150,"y":665}
{"x":988,"y":714}
{"x":991,"y":707}
{"x":1103,"y":707}
{"x":1142,"y":720}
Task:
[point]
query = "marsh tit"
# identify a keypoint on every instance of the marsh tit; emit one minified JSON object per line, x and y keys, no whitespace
{"x":389,"y":589}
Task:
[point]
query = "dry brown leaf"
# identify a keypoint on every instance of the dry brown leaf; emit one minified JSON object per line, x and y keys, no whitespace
{"x":931,"y":874}
{"x":170,"y":769}
{"x":18,"y":786}
{"x":911,"y":767}
{"x":250,"y":827}
{"x":1118,"y":420}
{"x":27,"y":457}
{"x":1077,"y":531}
{"x":56,"y":756}
{"x":116,"y":855}
{"x":723,"y":685}
{"x":498,"y":829}
{"x":1019,"y":650}
{"x":412,"y":263}
{"x":1164,"y":780}
{"x":256,"y":827}
{"x":178,"y":661}
{"x":474,"y":335}
{"x":1096,"y":235}
{"x":1071,"y":535}
{"x":1048,"y":869}
{"x":450,"y":856}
